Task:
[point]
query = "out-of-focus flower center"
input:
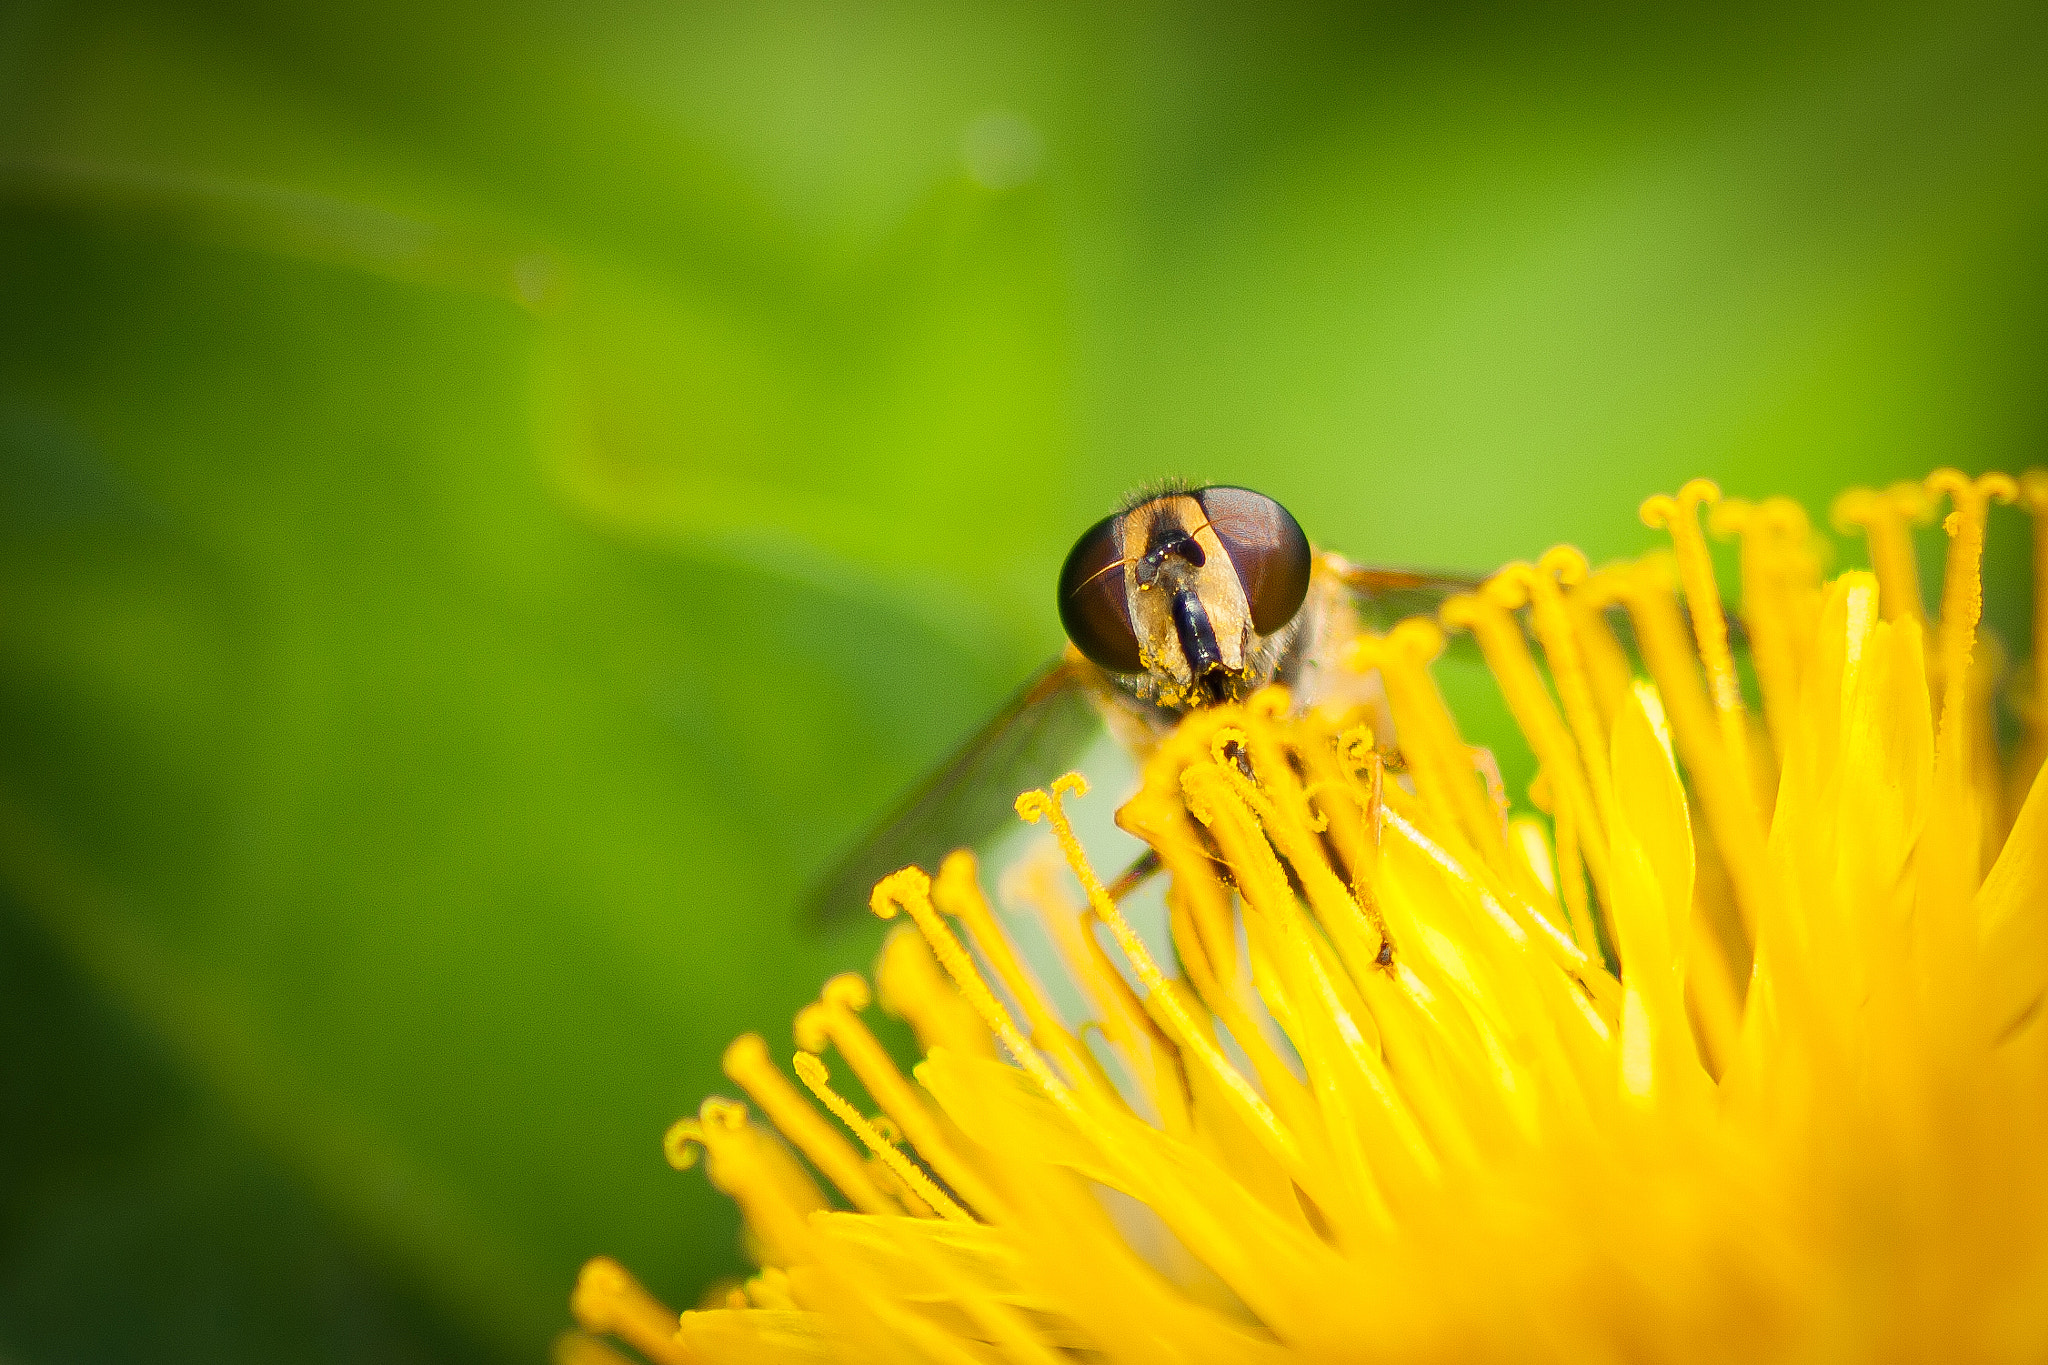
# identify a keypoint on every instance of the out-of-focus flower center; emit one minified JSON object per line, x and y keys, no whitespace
{"x":1732,"y":1050}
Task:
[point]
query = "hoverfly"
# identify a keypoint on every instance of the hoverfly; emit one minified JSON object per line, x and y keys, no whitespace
{"x":1185,"y":597}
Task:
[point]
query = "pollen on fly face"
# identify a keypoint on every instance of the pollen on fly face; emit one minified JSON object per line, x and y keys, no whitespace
{"x":1732,"y":1049}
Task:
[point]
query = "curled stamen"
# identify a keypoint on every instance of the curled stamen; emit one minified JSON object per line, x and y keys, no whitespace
{"x":1269,"y":703}
{"x":683,"y":1143}
{"x":1509,"y":587}
{"x":721,"y":1116}
{"x":1221,"y":745}
{"x":1356,"y":749}
{"x":1420,"y":638}
{"x":810,"y":1031}
{"x":894,"y":891}
{"x":1995,"y":486}
{"x":1566,"y":563}
{"x":844,"y":995}
{"x":848,"y":991}
{"x":1318,"y":818}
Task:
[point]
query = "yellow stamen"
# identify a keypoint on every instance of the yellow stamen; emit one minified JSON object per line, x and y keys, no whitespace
{"x":1430,"y":740}
{"x":1344,"y":1070}
{"x":1607,"y":666}
{"x":1139,"y":1034}
{"x":1571,"y":869}
{"x":1680,"y":516}
{"x":1288,"y":1096}
{"x":1982,"y":684}
{"x":1127,"y":1030}
{"x":1486,"y":615}
{"x":1328,"y":800}
{"x":1281,"y":805}
{"x":1540,"y":587}
{"x":957,"y":892}
{"x":1039,"y":805}
{"x":1886,"y":520}
{"x":1962,"y":595}
{"x":835,"y":1019}
{"x":913,"y":988}
{"x":813,"y":1074}
{"x":610,"y":1302}
{"x":747,"y":1064}
{"x":910,"y":890}
{"x":1644,"y":589}
{"x":714,"y":1127}
{"x":775,"y":1194}
{"x":1950,"y":875}
{"x":1780,"y":598}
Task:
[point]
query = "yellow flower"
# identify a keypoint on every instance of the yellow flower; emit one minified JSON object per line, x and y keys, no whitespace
{"x":1388,"y":1100}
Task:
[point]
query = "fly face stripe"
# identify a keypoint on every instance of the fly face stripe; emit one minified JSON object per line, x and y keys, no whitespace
{"x":1186,"y":602}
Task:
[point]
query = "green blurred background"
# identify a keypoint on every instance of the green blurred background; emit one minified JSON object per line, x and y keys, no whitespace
{"x":492,"y":497}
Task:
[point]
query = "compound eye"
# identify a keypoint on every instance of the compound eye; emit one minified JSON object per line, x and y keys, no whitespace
{"x":1266,"y":547}
{"x":1093,"y":607}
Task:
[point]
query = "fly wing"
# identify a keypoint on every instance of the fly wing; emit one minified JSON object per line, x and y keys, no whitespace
{"x":1035,"y":737}
{"x":1384,"y":597}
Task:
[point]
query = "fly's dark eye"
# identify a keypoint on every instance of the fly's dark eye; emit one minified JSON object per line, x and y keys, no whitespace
{"x":1267,"y":549}
{"x":1093,"y":608}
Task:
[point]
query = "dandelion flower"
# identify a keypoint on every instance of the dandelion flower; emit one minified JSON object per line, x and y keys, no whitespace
{"x":1734,"y":1051}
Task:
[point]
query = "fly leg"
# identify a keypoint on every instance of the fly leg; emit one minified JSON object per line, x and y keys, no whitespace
{"x":1130,"y":879}
{"x":1376,"y":822}
{"x":1488,"y":768}
{"x":1376,"y":793}
{"x":1134,"y":876}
